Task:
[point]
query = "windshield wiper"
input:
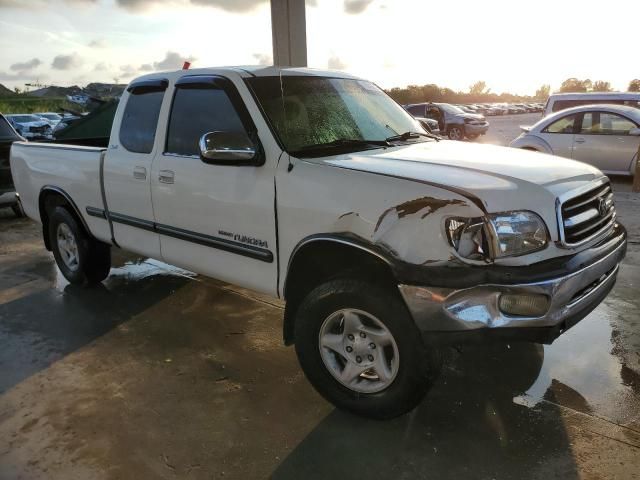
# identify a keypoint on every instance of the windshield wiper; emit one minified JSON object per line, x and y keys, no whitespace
{"x":344,"y":143}
{"x":408,"y":135}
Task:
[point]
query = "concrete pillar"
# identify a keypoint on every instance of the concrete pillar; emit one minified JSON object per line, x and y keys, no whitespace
{"x":289,"y":31}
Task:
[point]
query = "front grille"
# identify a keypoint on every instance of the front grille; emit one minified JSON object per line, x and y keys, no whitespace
{"x":588,"y":214}
{"x":41,"y":129}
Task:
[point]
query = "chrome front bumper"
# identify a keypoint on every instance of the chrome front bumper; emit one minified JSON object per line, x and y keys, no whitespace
{"x":572,"y":297}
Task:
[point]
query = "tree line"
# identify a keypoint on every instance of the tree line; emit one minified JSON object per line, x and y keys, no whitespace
{"x":480,"y":93}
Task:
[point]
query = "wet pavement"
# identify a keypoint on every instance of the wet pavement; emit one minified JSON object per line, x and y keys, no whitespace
{"x":159,"y":373}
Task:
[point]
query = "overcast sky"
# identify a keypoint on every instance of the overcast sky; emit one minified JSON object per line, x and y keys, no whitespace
{"x":513,"y":46}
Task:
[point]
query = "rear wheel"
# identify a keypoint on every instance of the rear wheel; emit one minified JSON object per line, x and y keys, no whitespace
{"x":80,"y":258}
{"x":361,"y":350}
{"x":455,"y":132}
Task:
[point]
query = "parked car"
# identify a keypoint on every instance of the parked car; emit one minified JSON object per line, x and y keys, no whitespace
{"x":383,"y":245}
{"x":562,"y":101}
{"x":64,"y":123}
{"x":30,"y":126}
{"x":8,"y":197}
{"x":453,"y":122}
{"x":605,"y":136}
{"x":430,"y":125}
{"x":52,"y":117}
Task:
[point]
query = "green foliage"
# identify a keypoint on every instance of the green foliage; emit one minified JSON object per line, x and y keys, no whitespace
{"x":434,"y":93}
{"x":479,"y":88}
{"x":634,"y":85}
{"x":543,"y":92}
{"x":601,"y":86}
{"x":575,"y":85}
{"x":26,"y":104}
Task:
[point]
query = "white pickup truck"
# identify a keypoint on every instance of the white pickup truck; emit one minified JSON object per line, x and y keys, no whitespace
{"x":316,"y":187}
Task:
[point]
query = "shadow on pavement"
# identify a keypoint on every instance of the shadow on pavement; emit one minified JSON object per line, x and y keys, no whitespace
{"x":43,"y":327}
{"x":467,"y":427}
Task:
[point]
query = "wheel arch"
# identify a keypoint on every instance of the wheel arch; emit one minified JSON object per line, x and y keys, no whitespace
{"x":320,"y":258}
{"x":52,"y":196}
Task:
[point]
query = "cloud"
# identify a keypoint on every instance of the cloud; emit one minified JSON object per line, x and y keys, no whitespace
{"x":335,"y":63}
{"x":229,"y":5}
{"x":26,"y":66}
{"x":128,"y":71}
{"x":172,"y":61}
{"x":98,"y":43}
{"x":263,"y":58}
{"x":20,"y":76}
{"x":66,"y":62}
{"x":101,"y":67}
{"x":39,"y":3}
{"x":356,"y":6}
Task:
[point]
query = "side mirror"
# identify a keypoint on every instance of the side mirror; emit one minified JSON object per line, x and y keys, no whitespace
{"x":635,"y":132}
{"x":228,"y":148}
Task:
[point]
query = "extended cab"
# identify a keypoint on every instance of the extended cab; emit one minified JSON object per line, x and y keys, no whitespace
{"x":317,"y":188}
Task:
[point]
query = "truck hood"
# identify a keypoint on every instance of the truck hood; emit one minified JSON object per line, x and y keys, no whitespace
{"x":501,"y":178}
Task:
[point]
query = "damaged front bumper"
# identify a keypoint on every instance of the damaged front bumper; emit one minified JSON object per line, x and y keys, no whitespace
{"x":472,"y":313}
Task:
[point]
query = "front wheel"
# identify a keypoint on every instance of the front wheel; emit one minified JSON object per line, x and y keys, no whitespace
{"x":80,"y":258}
{"x":455,"y":132}
{"x":361,"y":350}
{"x":472,"y":136}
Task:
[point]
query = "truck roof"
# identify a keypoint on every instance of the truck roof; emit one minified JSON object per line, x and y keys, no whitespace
{"x":248,"y":71}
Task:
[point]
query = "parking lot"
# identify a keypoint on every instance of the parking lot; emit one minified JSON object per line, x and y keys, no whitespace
{"x":160,"y":373}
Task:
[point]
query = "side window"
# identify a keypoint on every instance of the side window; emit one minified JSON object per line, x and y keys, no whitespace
{"x":416,"y":110}
{"x":604,"y":123}
{"x":197,"y":111}
{"x":140,"y":119}
{"x":564,"y":125}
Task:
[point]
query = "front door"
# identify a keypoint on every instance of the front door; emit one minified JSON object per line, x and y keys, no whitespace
{"x":604,"y":142}
{"x":127,"y":169}
{"x":218,"y":220}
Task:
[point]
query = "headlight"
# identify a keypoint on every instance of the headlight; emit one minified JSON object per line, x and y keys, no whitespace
{"x":500,"y":235}
{"x":518,"y":233}
{"x":468,"y":237}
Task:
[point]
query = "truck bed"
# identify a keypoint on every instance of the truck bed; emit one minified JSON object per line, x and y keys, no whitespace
{"x":70,"y":169}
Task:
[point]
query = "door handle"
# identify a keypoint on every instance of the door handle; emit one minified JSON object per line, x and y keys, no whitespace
{"x":140,"y":173}
{"x":166,"y":176}
{"x":580,"y":140}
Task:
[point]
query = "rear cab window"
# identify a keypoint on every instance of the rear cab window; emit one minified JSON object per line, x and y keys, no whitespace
{"x":140,"y":118}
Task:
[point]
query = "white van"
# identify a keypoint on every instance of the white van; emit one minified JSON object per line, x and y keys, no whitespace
{"x":561,"y":101}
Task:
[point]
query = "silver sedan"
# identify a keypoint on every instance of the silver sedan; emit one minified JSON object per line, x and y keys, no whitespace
{"x":605,"y":136}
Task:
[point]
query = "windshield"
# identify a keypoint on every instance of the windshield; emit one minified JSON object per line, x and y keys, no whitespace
{"x":25,"y":118}
{"x":312,"y":111}
{"x":450,"y":108}
{"x":50,"y":116}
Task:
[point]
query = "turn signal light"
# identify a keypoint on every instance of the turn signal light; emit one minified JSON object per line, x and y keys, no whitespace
{"x":524,"y":305}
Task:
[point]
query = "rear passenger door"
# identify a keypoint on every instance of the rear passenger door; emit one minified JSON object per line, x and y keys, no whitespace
{"x":218,"y":220}
{"x":127,"y":168}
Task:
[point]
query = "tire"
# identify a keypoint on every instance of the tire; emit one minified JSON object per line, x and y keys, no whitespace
{"x":80,"y":258}
{"x":17,"y":210}
{"x":472,"y":136}
{"x":416,"y":367}
{"x":455,"y":132}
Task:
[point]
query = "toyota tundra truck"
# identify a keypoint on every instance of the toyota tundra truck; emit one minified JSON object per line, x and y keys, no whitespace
{"x":385,"y":242}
